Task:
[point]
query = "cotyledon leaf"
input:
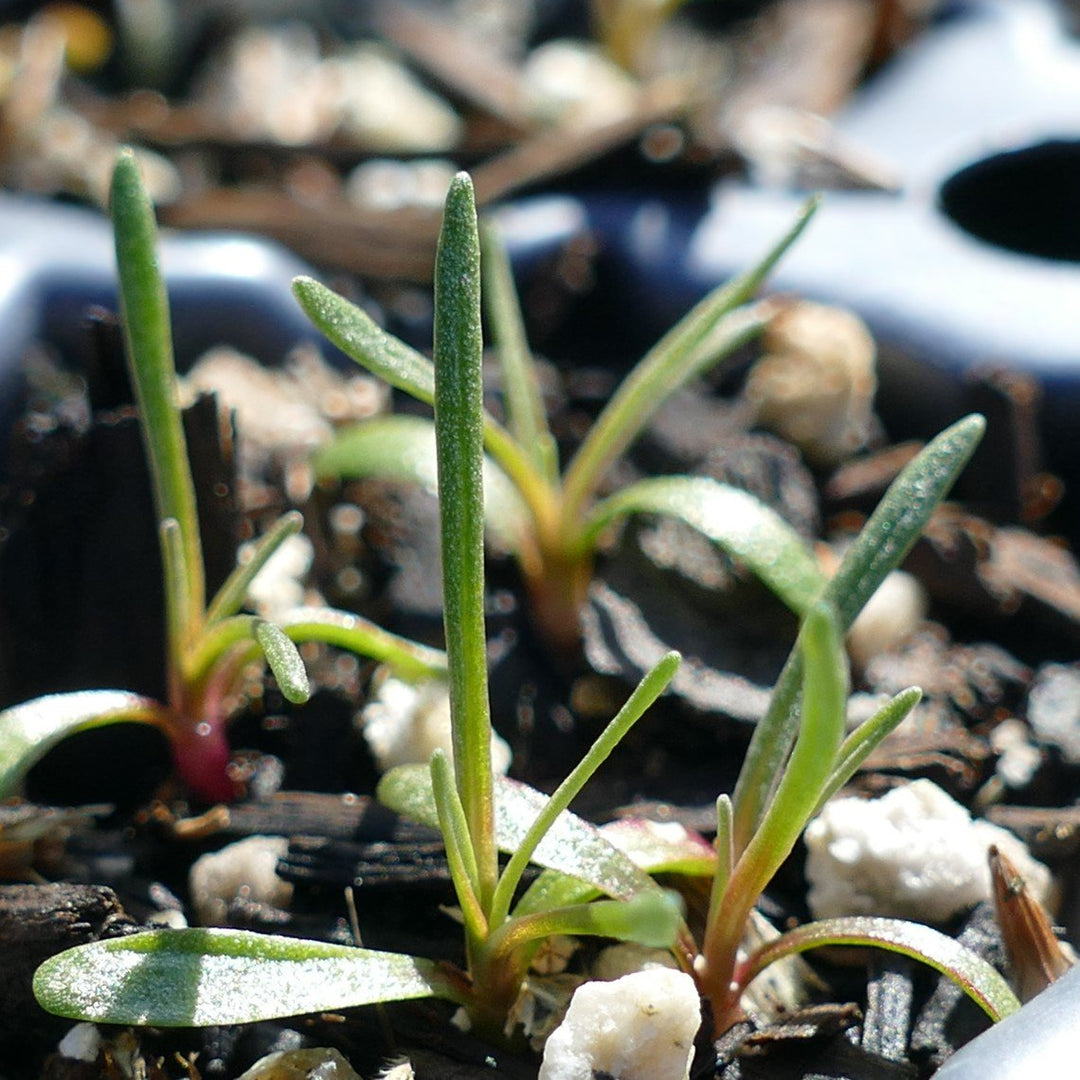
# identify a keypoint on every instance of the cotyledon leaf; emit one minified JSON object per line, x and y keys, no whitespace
{"x":30,"y":730}
{"x":572,"y":846}
{"x":196,"y":978}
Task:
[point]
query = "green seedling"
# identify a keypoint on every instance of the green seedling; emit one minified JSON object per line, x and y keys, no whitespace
{"x":209,"y":646}
{"x":196,"y":977}
{"x":552,"y":522}
{"x":798,"y":758}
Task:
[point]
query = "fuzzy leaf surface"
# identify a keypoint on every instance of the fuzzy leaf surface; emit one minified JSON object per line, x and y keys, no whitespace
{"x":572,"y":846}
{"x":29,"y":731}
{"x":284,"y":661}
{"x":196,"y":978}
{"x":656,"y":848}
{"x":357,"y":335}
{"x":879,"y":548}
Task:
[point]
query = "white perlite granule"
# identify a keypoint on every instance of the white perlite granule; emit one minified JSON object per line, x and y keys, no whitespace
{"x":81,"y":1043}
{"x":913,"y":854}
{"x":406,"y":722}
{"x":246,"y":870}
{"x":639,"y":1027}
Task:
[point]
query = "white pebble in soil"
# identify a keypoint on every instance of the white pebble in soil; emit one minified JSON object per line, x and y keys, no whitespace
{"x":405,"y":722}
{"x":639,"y":1027}
{"x":246,"y":870}
{"x":81,"y":1043}
{"x":915,"y":853}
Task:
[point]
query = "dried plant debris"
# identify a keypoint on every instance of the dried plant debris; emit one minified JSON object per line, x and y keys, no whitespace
{"x":1004,"y":574}
{"x":49,"y":147}
{"x":32,"y":837}
{"x":975,"y":684}
{"x":1036,"y":956}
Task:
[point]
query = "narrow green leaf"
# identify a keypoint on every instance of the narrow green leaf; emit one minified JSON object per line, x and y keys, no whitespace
{"x":797,"y":793}
{"x":638,"y":398}
{"x":655,"y":847}
{"x":341,"y":629}
{"x":402,"y":447}
{"x":357,"y":335}
{"x":671,"y":363}
{"x":725,"y":855}
{"x":459,"y":850}
{"x":572,"y":846}
{"x":652,"y":919}
{"x":198,"y":978}
{"x":283,"y":660}
{"x":735,"y":520}
{"x":881,"y":546}
{"x":179,"y":631}
{"x":978,"y":979}
{"x":526,"y":417}
{"x":647,"y":691}
{"x":901,"y":516}
{"x":232,"y":595}
{"x":824,"y":702}
{"x":344,"y":630}
{"x":144,"y":311}
{"x":662,"y":847}
{"x":29,"y":731}
{"x":865,"y":739}
{"x":459,"y":410}
{"x":353,"y":331}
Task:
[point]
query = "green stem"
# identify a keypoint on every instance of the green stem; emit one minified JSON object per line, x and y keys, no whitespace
{"x":812,"y":759}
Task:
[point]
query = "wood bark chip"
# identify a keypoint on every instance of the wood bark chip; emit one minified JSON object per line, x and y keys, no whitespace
{"x":999,"y":573}
{"x":36,"y":922}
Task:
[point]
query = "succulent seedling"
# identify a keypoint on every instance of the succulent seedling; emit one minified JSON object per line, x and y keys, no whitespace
{"x":209,"y":646}
{"x":553,"y":521}
{"x":799,"y":757}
